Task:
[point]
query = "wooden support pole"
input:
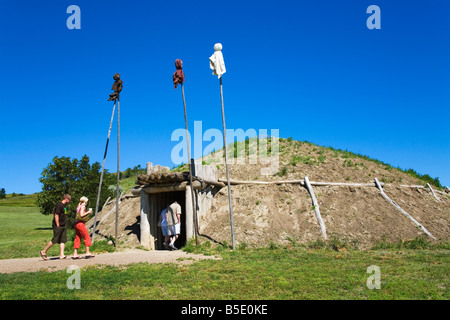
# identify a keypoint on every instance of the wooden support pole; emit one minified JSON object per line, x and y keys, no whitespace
{"x":434,"y":194}
{"x":118,"y":172}
{"x":189,"y":213}
{"x":144,"y":223}
{"x":107,"y":215}
{"x":101,"y":175}
{"x":316,"y":208}
{"x":226,"y":165}
{"x":194,"y":206}
{"x":401,"y":210}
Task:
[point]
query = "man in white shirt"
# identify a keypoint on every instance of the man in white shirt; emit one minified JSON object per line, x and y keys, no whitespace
{"x":170,"y":225}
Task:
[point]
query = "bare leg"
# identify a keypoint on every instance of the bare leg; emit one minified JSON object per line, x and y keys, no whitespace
{"x":166,"y":241}
{"x":172,"y":241}
{"x":49,"y":245}
{"x":44,"y":252}
{"x":61,"y":246}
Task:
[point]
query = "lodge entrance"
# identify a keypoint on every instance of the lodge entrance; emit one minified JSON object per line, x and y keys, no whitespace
{"x":160,"y":201}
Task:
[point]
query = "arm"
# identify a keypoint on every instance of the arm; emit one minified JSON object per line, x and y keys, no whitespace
{"x":83,"y":212}
{"x":57,"y":219}
{"x":179,"y":213}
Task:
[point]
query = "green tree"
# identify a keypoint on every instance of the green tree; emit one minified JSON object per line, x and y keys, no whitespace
{"x":130,"y":172}
{"x":2,"y":193}
{"x":74,"y":177}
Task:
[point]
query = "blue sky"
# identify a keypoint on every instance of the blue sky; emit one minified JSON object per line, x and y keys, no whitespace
{"x":311,"y":69}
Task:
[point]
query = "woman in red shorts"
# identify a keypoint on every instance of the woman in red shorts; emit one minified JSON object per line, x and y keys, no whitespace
{"x":80,"y":229}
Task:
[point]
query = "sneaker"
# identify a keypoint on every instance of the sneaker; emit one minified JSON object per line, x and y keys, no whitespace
{"x":172,"y":246}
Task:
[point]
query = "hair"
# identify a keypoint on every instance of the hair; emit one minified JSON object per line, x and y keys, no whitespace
{"x":83,"y":200}
{"x":66,"y":196}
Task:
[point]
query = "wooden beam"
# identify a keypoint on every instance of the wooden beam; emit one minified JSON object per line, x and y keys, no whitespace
{"x":434,"y":194}
{"x":343,"y":184}
{"x":316,"y":208}
{"x":136,"y":191}
{"x":213,"y":183}
{"x":411,"y":186}
{"x":172,"y":187}
{"x":401,"y":210}
{"x":302,"y":182}
{"x":237,"y":182}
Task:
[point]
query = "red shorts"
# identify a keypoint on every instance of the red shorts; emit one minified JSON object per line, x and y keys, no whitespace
{"x":81,"y":232}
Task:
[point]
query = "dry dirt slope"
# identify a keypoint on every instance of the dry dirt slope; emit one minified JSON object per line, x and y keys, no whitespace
{"x":272,"y":213}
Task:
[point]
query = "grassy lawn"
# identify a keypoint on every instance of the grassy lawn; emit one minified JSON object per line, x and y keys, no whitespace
{"x":292,"y":272}
{"x":28,"y":200}
{"x":266,"y":273}
{"x":24,"y":231}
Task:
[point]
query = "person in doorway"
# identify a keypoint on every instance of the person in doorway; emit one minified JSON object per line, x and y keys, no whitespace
{"x":81,"y":231}
{"x":59,"y":228}
{"x":171,"y":225}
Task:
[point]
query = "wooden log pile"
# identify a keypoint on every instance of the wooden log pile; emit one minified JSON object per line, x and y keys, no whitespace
{"x":162,"y":177}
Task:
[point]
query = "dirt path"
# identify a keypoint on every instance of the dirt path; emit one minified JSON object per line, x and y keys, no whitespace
{"x":114,"y":259}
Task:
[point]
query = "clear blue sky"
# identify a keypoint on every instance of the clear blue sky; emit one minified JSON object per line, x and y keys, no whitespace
{"x":311,"y":69}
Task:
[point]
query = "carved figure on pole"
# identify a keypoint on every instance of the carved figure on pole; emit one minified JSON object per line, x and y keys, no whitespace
{"x":116,"y":87}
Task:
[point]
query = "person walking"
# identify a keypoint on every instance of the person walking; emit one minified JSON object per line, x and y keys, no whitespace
{"x":170,"y":225}
{"x":80,"y":229}
{"x":59,"y":228}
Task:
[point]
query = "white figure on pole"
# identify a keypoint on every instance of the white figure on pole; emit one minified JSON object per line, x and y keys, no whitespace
{"x":217,"y":64}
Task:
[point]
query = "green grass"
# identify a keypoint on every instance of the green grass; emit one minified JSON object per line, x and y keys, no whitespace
{"x":425,"y":178}
{"x":28,"y":200}
{"x":128,"y":183}
{"x":414,"y":269}
{"x":289,"y":147}
{"x":24,"y":231}
{"x":267,"y":273}
{"x":345,"y":154}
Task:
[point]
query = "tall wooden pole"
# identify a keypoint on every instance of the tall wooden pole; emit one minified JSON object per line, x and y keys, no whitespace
{"x":194,"y":206}
{"x":118,"y":170}
{"x":101,"y":175}
{"x":226,"y":165}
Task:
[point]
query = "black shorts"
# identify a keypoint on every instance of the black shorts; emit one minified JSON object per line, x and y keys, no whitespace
{"x":59,"y":235}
